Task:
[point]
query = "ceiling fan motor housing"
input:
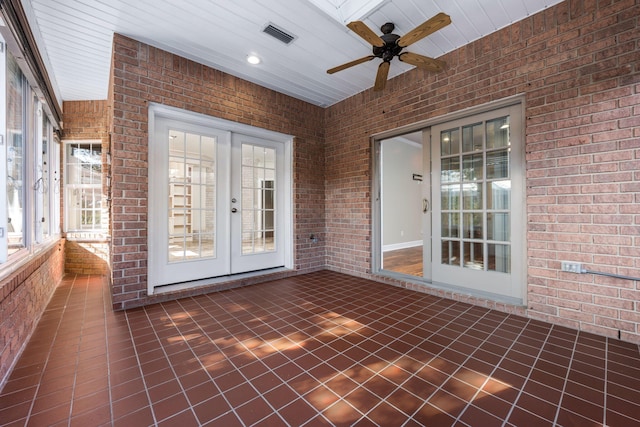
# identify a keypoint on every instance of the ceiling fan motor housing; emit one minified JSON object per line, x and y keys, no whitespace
{"x":390,"y":48}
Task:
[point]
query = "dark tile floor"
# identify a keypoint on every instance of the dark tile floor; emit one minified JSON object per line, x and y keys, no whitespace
{"x":319,"y":349}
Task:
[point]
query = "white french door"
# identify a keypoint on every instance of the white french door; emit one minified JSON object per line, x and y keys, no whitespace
{"x":256,"y":204}
{"x":216,"y":205}
{"x":478,"y":203}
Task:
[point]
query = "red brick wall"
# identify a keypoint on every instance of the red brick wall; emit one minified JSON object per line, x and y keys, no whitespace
{"x":143,"y":74}
{"x":24,"y":295}
{"x":578,"y":66}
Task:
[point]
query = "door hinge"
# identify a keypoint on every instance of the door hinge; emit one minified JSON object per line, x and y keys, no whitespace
{"x":1,"y":139}
{"x":1,"y":232}
{"x":1,"y":47}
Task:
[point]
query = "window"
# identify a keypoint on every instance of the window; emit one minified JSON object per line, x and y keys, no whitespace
{"x":83,"y":187}
{"x":29,"y":206}
{"x":16,"y":116}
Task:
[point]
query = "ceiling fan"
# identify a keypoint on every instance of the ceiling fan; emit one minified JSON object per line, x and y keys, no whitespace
{"x":389,"y":45}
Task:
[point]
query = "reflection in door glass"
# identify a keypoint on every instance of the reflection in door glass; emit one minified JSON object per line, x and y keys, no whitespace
{"x":192,"y":190}
{"x":258,"y":199}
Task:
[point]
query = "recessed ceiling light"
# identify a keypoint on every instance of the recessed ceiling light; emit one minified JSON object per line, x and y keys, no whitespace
{"x":253,"y":60}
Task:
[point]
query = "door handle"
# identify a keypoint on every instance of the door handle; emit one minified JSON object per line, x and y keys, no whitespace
{"x":425,"y":205}
{"x":234,"y":210}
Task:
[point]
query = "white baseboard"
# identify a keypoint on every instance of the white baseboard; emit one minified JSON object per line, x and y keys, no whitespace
{"x":403,"y":245}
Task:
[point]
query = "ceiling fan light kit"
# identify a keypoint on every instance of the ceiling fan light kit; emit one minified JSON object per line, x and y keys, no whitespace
{"x":389,"y":45}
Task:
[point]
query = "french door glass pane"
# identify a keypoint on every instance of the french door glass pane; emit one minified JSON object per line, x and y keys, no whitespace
{"x":498,"y":227}
{"x":192,"y":196}
{"x":499,"y":258}
{"x":499,"y":195}
{"x":498,"y":133}
{"x":258,"y":199}
{"x":450,"y":169}
{"x":451,"y":252}
{"x":498,"y":164}
{"x":475,"y":192}
{"x":450,"y":225}
{"x":473,"y":167}
{"x":473,"y":255}
{"x":472,"y":138}
{"x":450,"y":142}
{"x":450,"y":195}
{"x":472,"y":196}
{"x":472,"y":226}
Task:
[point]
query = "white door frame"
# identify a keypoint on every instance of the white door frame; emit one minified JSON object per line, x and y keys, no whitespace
{"x":155,"y":200}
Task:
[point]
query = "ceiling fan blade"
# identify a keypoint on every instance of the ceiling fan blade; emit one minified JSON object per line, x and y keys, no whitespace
{"x":381,"y":77}
{"x":350,"y":64}
{"x":423,"y":62}
{"x":361,"y":29}
{"x":423,"y":30}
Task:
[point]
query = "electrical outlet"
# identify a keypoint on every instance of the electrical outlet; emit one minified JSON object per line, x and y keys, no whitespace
{"x":571,"y":267}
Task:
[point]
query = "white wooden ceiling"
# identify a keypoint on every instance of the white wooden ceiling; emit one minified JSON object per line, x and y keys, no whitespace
{"x":75,"y":37}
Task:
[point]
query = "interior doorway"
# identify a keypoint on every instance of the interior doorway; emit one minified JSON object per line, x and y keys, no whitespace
{"x":404,"y":205}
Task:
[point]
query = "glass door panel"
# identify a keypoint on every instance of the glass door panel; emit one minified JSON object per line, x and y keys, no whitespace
{"x":478,"y":225}
{"x":258,"y":199}
{"x":191,"y":201}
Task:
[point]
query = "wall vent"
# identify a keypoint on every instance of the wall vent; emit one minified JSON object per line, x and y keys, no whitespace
{"x":278,"y":33}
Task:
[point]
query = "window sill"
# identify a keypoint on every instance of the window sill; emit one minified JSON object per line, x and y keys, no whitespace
{"x":21,"y":258}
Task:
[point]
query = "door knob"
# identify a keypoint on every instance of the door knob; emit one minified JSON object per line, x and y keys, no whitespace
{"x":425,"y":205}
{"x":234,"y":210}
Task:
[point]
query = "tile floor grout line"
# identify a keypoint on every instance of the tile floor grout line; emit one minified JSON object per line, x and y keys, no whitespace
{"x":443,"y":327}
{"x":106,"y":305}
{"x":375,"y":374}
{"x":449,"y":376}
{"x":495,"y":368}
{"x":528,"y":377}
{"x":606,"y":381}
{"x":566,"y":379}
{"x":233,"y":409}
{"x":78,"y":357}
{"x":50,"y":347}
{"x":399,"y":386}
{"x":139,"y":363}
{"x":166,"y":356}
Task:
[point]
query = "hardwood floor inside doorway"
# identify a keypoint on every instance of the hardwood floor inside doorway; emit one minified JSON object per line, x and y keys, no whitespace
{"x":405,"y":261}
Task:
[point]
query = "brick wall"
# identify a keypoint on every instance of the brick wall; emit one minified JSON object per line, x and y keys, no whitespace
{"x":578,"y":66}
{"x":86,"y":257}
{"x":24,"y":295}
{"x":143,"y":74}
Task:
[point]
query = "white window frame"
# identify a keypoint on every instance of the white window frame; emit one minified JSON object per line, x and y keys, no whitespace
{"x":4,"y":240}
{"x":90,"y":233}
{"x":34,"y":237}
